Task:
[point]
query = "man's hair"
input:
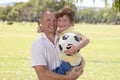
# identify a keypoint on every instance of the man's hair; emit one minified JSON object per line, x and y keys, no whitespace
{"x":66,"y":11}
{"x":46,"y":10}
{"x":43,"y":12}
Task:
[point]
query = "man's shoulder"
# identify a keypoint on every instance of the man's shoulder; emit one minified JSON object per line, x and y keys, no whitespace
{"x":38,"y":41}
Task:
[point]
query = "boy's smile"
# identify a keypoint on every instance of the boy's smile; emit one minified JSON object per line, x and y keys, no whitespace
{"x":63,"y":23}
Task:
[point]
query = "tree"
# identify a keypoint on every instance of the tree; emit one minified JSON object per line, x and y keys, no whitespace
{"x":5,"y":13}
{"x":116,"y":5}
{"x":40,"y":5}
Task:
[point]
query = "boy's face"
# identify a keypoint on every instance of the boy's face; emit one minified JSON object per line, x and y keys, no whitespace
{"x":63,"y":23}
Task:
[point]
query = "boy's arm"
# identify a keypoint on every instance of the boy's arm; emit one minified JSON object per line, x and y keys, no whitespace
{"x":84,"y":41}
{"x":39,"y":28}
{"x":74,"y":48}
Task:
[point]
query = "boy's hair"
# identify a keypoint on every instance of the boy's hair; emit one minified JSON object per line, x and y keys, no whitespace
{"x":66,"y":11}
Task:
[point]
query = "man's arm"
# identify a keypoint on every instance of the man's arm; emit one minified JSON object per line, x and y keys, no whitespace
{"x":45,"y":74}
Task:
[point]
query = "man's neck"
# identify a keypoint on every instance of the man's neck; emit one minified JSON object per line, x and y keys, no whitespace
{"x":51,"y":37}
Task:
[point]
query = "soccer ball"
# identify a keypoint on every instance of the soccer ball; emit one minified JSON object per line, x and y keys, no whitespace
{"x":68,"y":39}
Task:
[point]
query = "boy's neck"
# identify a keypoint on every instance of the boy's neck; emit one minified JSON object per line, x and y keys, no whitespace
{"x":64,"y":30}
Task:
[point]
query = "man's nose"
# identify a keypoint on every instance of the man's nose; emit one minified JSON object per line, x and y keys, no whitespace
{"x":52,"y":23}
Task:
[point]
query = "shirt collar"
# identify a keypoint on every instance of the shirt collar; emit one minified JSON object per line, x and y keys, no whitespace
{"x":43,"y":36}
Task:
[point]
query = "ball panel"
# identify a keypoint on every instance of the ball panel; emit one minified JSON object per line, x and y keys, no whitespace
{"x":60,"y":47}
{"x":65,"y":37}
{"x":68,"y":39}
{"x":77,"y":38}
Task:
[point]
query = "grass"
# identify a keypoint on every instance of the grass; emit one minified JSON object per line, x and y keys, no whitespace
{"x":101,"y":55}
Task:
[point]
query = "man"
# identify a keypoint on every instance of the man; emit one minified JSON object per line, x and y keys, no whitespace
{"x":45,"y":53}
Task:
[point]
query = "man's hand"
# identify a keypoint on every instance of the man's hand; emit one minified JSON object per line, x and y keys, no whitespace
{"x":73,"y":74}
{"x":39,"y":29}
{"x":81,"y":67}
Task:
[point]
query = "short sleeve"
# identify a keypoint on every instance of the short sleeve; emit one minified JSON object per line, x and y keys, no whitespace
{"x":38,"y":54}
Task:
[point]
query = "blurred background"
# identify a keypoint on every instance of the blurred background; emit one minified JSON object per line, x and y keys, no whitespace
{"x":99,"y":20}
{"x":87,"y":11}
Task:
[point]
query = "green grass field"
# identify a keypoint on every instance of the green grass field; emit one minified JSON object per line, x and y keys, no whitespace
{"x":102,"y":55}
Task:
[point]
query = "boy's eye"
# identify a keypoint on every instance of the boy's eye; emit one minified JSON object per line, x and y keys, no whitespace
{"x":65,"y":20}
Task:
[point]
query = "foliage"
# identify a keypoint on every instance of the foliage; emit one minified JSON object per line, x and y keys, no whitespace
{"x":5,"y":13}
{"x":52,"y":4}
{"x":116,"y":5}
{"x":31,"y":11}
{"x":90,"y":15}
{"x":9,"y":22}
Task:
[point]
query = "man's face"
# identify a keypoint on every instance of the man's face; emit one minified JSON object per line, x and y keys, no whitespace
{"x":63,"y":23}
{"x":48,"y":22}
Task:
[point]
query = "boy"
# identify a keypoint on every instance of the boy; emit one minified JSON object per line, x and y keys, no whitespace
{"x":65,"y":23}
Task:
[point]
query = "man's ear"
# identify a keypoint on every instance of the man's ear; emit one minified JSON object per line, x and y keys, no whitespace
{"x":38,"y":21}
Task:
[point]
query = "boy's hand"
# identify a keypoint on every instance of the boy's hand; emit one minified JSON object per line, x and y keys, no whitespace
{"x":39,"y":29}
{"x":72,"y":49}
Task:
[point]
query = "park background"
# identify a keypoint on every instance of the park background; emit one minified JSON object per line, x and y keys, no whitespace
{"x":18,"y":23}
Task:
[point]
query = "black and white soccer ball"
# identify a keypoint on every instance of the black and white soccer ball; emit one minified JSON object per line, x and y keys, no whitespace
{"x":68,"y":39}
